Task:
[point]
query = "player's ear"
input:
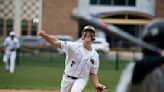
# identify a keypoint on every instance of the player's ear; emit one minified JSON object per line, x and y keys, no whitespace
{"x":82,"y":35}
{"x":93,"y":37}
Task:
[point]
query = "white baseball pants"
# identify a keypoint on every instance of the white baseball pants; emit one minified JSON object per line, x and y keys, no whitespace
{"x":10,"y":65}
{"x":73,"y":85}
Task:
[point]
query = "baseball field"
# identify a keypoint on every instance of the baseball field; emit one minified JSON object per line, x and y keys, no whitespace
{"x":44,"y":73}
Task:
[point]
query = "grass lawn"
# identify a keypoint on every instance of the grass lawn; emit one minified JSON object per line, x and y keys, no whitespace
{"x":42,"y":72}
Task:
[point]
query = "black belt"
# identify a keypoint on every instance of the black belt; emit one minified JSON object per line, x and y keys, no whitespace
{"x":72,"y":77}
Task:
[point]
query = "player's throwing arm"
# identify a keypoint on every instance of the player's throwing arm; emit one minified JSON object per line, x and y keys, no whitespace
{"x":53,"y":41}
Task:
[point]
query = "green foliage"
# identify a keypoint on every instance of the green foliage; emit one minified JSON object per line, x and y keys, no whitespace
{"x":43,"y":72}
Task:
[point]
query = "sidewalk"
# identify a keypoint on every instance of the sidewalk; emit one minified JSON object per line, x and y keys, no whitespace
{"x":24,"y":90}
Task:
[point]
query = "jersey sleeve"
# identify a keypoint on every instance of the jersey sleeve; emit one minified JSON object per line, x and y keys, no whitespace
{"x":65,"y":45}
{"x":95,"y":67}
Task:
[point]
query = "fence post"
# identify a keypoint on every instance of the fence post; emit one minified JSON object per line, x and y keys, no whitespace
{"x":117,"y":60}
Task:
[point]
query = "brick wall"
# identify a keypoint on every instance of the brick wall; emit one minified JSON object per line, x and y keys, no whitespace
{"x":160,"y":8}
{"x":57,"y":17}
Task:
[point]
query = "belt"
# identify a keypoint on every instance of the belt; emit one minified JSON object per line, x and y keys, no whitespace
{"x":72,"y":77}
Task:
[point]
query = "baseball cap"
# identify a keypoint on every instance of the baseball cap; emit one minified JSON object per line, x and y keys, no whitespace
{"x":89,"y":28}
{"x":12,"y":33}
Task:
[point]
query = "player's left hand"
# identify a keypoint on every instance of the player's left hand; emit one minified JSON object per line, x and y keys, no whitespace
{"x":13,"y":49}
{"x":101,"y":88}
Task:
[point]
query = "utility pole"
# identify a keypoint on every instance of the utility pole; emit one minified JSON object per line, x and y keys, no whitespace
{"x":17,"y":17}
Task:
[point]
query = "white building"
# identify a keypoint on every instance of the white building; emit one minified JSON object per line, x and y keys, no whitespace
{"x":129,"y":15}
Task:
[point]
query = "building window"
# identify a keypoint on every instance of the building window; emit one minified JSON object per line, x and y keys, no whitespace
{"x":93,"y":1}
{"x":113,"y":2}
{"x":1,"y":27}
{"x":120,"y":2}
{"x":34,"y":28}
{"x":9,"y":26}
{"x":24,"y":27}
{"x":131,"y":2}
{"x":105,"y":2}
{"x":100,"y":2}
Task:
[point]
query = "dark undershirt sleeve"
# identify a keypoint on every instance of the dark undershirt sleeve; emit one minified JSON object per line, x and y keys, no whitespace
{"x":145,"y":66}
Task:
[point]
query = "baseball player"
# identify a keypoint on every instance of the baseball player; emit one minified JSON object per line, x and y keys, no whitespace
{"x":81,"y":61}
{"x":136,"y":73}
{"x":11,"y":44}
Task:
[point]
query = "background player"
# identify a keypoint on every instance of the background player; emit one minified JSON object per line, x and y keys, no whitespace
{"x":11,"y":44}
{"x":81,"y":61}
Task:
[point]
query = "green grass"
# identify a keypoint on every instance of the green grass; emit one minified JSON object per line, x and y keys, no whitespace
{"x":41,"y":72}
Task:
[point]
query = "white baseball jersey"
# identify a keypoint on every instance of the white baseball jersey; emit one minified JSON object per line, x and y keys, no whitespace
{"x":10,"y":53}
{"x":79,"y":62}
{"x":11,"y":43}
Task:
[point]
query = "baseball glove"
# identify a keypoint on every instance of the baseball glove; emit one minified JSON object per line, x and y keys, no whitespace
{"x":101,"y":88}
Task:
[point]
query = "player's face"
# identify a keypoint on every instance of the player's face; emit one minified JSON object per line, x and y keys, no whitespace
{"x":88,"y":36}
{"x":12,"y":36}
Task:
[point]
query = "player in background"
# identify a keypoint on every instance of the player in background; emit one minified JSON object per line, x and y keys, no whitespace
{"x":81,"y":61}
{"x":11,"y":44}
